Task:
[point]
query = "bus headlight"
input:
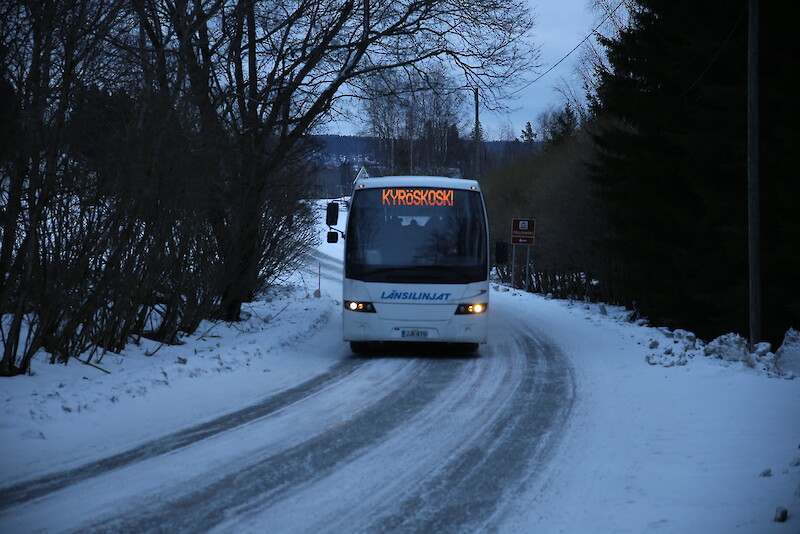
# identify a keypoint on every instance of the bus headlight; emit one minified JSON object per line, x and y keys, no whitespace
{"x":471,"y":309}
{"x":356,"y":306}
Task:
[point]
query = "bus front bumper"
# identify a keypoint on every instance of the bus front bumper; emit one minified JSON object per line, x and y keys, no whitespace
{"x":360,"y":326}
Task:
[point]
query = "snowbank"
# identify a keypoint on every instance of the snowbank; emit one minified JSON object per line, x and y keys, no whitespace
{"x":788,"y":355}
{"x":61,"y":415}
{"x":696,"y":442}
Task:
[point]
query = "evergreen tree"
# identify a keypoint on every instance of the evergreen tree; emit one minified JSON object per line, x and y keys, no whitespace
{"x":779,"y":164}
{"x":565,"y":124}
{"x":672,"y":163}
{"x":672,"y":167}
{"x":528,"y":136}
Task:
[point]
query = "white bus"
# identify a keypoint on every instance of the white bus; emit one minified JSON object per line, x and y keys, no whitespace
{"x":416,"y":265}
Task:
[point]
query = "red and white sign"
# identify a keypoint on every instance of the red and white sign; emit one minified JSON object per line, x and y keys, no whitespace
{"x":522,"y":231}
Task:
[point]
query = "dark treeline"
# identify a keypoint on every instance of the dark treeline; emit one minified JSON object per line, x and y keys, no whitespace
{"x":153,"y":159}
{"x":663,"y":154}
{"x":553,"y":187}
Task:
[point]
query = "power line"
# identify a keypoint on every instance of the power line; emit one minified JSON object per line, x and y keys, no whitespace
{"x":545,"y":73}
{"x":719,"y":51}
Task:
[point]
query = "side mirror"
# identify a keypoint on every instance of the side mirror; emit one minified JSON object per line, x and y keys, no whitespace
{"x":501,"y":252}
{"x":333,"y":237}
{"x":332,"y":215}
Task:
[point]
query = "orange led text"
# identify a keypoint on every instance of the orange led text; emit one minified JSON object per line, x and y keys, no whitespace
{"x":417,"y":197}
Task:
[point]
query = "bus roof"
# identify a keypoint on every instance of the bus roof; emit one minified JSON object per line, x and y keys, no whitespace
{"x":417,"y":181}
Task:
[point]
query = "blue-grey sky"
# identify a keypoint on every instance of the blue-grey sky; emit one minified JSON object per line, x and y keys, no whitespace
{"x":559,"y":26}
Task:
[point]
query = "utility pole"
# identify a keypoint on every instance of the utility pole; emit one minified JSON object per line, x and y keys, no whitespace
{"x":753,"y":208}
{"x":477,"y":137}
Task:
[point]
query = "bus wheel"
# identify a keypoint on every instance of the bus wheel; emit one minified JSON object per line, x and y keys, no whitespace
{"x":359,"y":346}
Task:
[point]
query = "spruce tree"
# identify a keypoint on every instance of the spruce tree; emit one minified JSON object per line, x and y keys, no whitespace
{"x":779,"y":164}
{"x":672,"y":165}
{"x":671,"y":168}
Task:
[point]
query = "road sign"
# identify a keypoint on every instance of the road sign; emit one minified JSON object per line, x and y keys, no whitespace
{"x":522,"y":231}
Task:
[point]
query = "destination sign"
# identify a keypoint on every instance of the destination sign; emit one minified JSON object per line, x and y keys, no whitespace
{"x":416,"y":197}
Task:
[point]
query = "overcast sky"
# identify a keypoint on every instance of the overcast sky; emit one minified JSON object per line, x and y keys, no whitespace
{"x":560,"y":25}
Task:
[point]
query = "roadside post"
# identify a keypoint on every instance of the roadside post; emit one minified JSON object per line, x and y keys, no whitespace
{"x":523,"y":232}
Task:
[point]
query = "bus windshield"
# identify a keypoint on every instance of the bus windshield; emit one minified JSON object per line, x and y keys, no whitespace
{"x":416,"y":234}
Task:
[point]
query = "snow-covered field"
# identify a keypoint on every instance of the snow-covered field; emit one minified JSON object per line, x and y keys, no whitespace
{"x":661,"y":436}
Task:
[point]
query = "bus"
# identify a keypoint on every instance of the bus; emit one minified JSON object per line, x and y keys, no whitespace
{"x":416,"y":262}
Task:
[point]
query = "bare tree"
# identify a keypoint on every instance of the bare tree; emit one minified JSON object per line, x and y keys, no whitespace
{"x":553,"y":186}
{"x":49,"y":47}
{"x":261,"y":75}
{"x":612,"y":17}
{"x":580,"y":85}
{"x":416,"y":120}
{"x":151,"y":164}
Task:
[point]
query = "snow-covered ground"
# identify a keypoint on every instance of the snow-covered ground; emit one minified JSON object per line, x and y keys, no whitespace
{"x":661,"y":436}
{"x":706,"y":446}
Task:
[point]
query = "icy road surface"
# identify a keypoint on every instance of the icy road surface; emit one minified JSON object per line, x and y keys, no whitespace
{"x":421,"y":440}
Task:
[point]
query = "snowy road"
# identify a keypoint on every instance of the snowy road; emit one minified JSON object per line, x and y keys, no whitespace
{"x":405,"y":441}
{"x":562,"y":423}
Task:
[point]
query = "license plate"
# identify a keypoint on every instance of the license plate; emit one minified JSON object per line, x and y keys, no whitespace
{"x":414,"y":333}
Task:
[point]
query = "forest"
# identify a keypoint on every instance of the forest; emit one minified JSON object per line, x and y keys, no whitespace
{"x":645,"y":202}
